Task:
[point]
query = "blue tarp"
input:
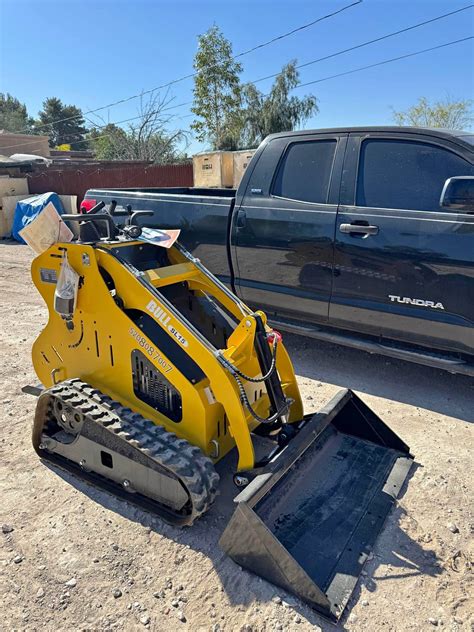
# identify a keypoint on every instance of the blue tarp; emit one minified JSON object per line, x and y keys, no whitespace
{"x":26,"y":211}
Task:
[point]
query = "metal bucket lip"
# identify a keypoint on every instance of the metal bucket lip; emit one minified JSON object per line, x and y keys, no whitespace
{"x":316,"y":423}
{"x":262,"y":552}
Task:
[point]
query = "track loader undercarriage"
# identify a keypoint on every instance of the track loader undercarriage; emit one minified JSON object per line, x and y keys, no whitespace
{"x":154,"y":371}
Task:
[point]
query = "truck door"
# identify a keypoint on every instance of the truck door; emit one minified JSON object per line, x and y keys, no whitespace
{"x":404,"y":266}
{"x":282,"y":230}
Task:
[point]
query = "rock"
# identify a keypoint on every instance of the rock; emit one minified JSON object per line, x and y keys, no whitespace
{"x":40,"y":593}
{"x":364,"y":602}
{"x":145,"y":619}
{"x":96,"y":560}
{"x":352,"y":618}
{"x":116,"y":592}
{"x":433,"y":621}
{"x":276,"y":599}
{"x":115,"y":547}
{"x":297,"y":618}
{"x":175,"y":603}
{"x":71,"y":583}
{"x":216,"y":628}
{"x":17,"y":559}
{"x":183,"y":598}
{"x":309,"y":398}
{"x":246,"y":628}
{"x":7,"y":528}
{"x":159,"y":594}
{"x":278,"y":626}
{"x":181,"y":616}
{"x":452,"y":527}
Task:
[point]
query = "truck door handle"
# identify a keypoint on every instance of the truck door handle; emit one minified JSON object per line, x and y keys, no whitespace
{"x":359,"y":229}
{"x":241,"y":218}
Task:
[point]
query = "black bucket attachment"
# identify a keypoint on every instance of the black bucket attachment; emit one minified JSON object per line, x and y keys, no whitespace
{"x":309,"y":522}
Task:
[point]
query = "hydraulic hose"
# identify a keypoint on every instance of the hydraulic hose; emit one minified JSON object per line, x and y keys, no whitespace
{"x":237,"y":374}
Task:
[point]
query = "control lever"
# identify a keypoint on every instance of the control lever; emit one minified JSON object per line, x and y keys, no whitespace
{"x":96,"y":217}
{"x":136,"y":214}
{"x":95,"y":209}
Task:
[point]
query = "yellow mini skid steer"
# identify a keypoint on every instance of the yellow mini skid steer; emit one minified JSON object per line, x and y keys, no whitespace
{"x":153,"y":371}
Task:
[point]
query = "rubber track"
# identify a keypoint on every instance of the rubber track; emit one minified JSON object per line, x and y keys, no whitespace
{"x":186,"y":462}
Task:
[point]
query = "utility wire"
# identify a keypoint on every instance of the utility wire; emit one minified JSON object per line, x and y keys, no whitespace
{"x":385,"y":61}
{"x":301,"y":85}
{"x":309,"y":63}
{"x":373,"y":41}
{"x":191,"y":75}
{"x":133,"y":118}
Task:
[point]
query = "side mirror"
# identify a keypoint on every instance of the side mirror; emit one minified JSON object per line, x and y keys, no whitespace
{"x":458,"y":194}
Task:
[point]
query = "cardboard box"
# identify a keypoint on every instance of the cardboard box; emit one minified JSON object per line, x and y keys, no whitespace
{"x":213,"y":170}
{"x":7,"y":210}
{"x":13,"y":186}
{"x":241,"y":161}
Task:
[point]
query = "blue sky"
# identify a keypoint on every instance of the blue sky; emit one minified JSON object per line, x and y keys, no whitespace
{"x":93,"y":52}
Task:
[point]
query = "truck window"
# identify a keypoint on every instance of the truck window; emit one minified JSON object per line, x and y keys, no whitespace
{"x":305,"y":171}
{"x":405,"y":174}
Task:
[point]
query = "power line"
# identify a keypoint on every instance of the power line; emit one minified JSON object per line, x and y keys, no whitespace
{"x":373,"y":41}
{"x":297,"y":30}
{"x":133,"y":118}
{"x":190,"y":76}
{"x":386,"y":61}
{"x":348,"y":72}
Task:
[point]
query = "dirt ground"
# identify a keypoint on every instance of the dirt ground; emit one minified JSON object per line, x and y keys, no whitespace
{"x":73,"y":558}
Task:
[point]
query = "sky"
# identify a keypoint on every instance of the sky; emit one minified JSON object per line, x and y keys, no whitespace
{"x":90,"y":53}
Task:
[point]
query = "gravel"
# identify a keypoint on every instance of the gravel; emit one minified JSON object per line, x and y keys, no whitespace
{"x":62,"y":526}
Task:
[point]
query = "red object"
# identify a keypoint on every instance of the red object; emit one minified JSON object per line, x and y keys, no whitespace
{"x":274,"y":334}
{"x":87,"y":205}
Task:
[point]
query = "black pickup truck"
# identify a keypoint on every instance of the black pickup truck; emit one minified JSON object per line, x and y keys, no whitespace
{"x":359,"y":236}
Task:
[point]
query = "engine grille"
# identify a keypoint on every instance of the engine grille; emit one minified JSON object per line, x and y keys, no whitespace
{"x":151,"y":387}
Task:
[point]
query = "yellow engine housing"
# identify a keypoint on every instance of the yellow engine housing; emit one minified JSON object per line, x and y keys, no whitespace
{"x":124,"y":313}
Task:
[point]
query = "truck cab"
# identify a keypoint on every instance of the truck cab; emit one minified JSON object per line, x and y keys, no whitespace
{"x":348,"y":233}
{"x":344,"y":234}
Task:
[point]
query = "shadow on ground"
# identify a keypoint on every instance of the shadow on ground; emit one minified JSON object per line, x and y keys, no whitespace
{"x":396,"y":380}
{"x":391,"y":379}
{"x":244,"y":588}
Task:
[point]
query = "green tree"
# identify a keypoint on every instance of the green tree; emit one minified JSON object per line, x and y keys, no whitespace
{"x":217,"y":98}
{"x":149,"y":137}
{"x":449,"y":114}
{"x":51,"y":122}
{"x":277,"y":111}
{"x":13,"y":115}
{"x":108,"y":142}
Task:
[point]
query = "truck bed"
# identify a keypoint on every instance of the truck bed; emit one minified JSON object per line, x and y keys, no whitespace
{"x":201,"y":214}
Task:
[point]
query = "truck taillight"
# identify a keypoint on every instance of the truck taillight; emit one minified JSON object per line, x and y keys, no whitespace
{"x":86,"y":205}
